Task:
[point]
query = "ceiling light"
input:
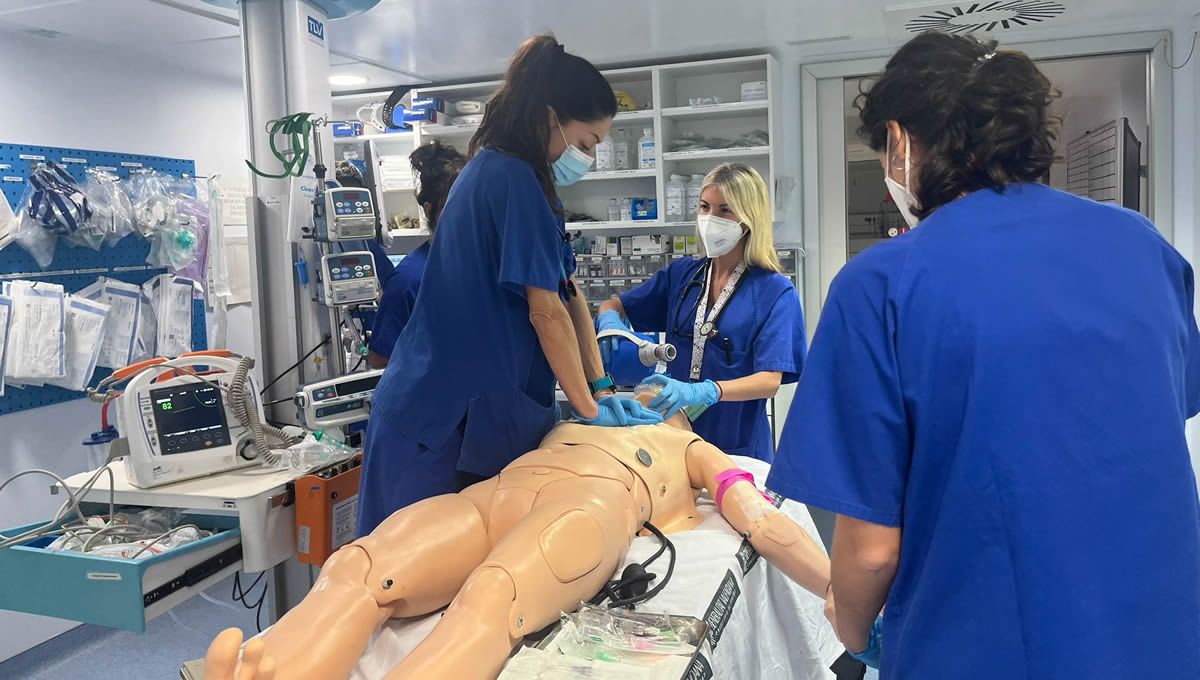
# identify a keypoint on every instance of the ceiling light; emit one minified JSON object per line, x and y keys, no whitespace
{"x":346,"y":80}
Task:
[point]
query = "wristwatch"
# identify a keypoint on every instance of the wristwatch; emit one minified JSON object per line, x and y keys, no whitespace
{"x":603,"y":383}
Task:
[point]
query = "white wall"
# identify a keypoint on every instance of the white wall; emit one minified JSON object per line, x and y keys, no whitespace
{"x":90,"y":98}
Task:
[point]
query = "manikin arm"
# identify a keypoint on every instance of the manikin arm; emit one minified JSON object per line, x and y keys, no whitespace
{"x":772,"y":533}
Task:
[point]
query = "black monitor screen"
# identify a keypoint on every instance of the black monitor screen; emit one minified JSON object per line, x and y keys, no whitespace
{"x":356,"y":386}
{"x":189,"y":417}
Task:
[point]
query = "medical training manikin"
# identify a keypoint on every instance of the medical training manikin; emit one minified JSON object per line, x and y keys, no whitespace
{"x":510,"y":553}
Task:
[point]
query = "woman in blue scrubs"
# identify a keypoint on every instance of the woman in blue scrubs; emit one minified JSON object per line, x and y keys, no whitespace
{"x":437,"y":166}
{"x":498,"y":317}
{"x":995,"y":401}
{"x":734,"y":318}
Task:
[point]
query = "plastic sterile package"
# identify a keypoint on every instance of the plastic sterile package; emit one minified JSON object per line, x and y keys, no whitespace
{"x":84,"y":333}
{"x":536,"y":664}
{"x":112,"y":211}
{"x":8,"y":222}
{"x":123,"y":325}
{"x":599,"y":633}
{"x":134,"y":536}
{"x":316,"y":450}
{"x":150,"y":195}
{"x":36,"y":339}
{"x":39,"y":242}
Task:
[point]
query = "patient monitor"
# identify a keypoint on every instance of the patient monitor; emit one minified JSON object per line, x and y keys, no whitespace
{"x":179,"y":421}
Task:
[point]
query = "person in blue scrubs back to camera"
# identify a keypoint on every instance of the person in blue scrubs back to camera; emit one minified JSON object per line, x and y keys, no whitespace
{"x":994,"y":404}
{"x":436,"y":166}
{"x":498,"y":318}
{"x":734,"y":318}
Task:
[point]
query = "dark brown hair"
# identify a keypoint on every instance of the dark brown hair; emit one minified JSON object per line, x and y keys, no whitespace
{"x":437,"y":166}
{"x":979,"y":116}
{"x":542,"y":76}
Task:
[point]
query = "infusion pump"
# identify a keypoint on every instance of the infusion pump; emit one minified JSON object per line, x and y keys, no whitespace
{"x":349,"y":278}
{"x":349,"y":215}
{"x":180,"y":426}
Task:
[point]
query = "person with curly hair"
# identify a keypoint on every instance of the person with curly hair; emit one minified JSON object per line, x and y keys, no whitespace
{"x":994,"y":402}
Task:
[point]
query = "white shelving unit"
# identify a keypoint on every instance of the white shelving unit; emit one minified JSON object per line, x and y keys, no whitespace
{"x":663,"y":95}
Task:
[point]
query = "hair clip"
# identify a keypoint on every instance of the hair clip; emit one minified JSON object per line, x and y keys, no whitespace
{"x":985,"y":57}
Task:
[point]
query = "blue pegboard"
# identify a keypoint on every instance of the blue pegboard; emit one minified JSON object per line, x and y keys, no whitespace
{"x":75,"y":267}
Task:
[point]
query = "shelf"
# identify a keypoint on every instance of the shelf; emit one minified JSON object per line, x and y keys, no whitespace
{"x":375,"y":137}
{"x":409,"y":233}
{"x":716,"y":154}
{"x":620,"y":174}
{"x":729,"y":110}
{"x":624,"y":116}
{"x":447,"y":130}
{"x":595,"y":226}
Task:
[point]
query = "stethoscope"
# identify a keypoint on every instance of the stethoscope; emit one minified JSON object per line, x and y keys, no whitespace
{"x":686,"y":327}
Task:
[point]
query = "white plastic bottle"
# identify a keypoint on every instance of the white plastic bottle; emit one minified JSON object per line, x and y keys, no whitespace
{"x":627,"y":210}
{"x":614,"y":210}
{"x":646,"y":149}
{"x":676,"y":199}
{"x":604,"y":154}
{"x":621,"y":150}
{"x":693,"y":196}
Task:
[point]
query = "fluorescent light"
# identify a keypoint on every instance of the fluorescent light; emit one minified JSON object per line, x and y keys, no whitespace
{"x":346,"y":80}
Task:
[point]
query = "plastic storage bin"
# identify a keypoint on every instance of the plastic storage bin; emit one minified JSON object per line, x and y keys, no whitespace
{"x":110,"y":591}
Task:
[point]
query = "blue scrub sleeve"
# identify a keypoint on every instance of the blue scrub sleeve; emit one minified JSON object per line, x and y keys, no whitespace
{"x":845,"y":446}
{"x":528,"y":233}
{"x":646,"y":305}
{"x":782,"y":344}
{"x":395,"y":309}
{"x":1192,"y":350}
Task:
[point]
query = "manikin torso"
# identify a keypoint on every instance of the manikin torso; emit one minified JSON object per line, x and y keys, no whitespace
{"x":650,"y":460}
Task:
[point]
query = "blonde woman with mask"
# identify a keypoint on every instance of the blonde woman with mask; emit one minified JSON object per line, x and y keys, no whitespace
{"x":735,"y":319}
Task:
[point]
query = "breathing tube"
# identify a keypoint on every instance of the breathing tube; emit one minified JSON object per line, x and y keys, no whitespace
{"x":242,"y":402}
{"x":297,"y":127}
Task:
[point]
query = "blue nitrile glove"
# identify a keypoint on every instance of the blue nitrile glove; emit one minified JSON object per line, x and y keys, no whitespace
{"x":677,"y":395}
{"x":622,"y":412}
{"x":874,"y":650}
{"x":606,"y":321}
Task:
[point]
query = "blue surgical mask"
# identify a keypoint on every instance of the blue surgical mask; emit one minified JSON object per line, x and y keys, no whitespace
{"x":572,"y":165}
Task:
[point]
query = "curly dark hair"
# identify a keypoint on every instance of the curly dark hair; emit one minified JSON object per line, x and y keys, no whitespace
{"x":980,"y":117}
{"x":437,"y":166}
{"x":542,"y":76}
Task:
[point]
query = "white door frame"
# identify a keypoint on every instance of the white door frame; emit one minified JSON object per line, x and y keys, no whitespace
{"x":824,"y":151}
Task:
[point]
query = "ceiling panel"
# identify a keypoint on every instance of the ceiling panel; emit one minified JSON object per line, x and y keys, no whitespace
{"x":135,"y":23}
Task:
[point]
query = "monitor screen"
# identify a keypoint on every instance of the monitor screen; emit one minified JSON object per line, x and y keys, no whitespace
{"x":356,"y":386}
{"x":189,"y":417}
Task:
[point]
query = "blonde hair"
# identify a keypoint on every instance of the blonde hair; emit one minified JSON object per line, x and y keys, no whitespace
{"x":746,"y":193}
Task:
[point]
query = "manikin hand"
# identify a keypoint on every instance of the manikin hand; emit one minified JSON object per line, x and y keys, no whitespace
{"x":221,"y":662}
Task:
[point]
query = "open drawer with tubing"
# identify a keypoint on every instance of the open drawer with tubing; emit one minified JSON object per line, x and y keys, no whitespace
{"x":113,"y":591}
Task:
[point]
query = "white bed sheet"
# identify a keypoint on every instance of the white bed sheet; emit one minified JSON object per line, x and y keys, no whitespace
{"x":764,"y":625}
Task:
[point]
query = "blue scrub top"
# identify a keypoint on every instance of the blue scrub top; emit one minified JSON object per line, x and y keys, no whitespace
{"x":471,"y":358}
{"x":760,"y":329}
{"x":398,"y":299}
{"x":1009,"y":383}
{"x":383,"y":264}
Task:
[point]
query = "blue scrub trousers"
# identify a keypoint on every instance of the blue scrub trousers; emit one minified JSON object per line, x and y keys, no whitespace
{"x":406,"y":473}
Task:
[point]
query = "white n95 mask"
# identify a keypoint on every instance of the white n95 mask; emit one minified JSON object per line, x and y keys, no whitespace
{"x":901,"y":193}
{"x":718,"y":234}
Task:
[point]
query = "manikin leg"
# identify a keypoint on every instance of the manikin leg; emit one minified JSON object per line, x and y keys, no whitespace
{"x":412,"y":564}
{"x":562,"y":552}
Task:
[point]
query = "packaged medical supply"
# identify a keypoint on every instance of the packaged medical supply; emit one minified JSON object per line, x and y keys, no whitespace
{"x":84,"y":331}
{"x":347,"y":128}
{"x":676,"y":197}
{"x":430,"y":104}
{"x":426,"y":116}
{"x":598,"y":247}
{"x":36,"y":340}
{"x":646,"y":150}
{"x":620,"y":140}
{"x":53,"y":205}
{"x":625,"y":101}
{"x":122,"y":328}
{"x":5,"y":318}
{"x":647,"y":244}
{"x":135,"y":536}
{"x":112,"y":211}
{"x":170,"y":299}
{"x":194,"y":217}
{"x":145,"y":343}
{"x":693,"y":196}
{"x":612,"y":246}
{"x":315,"y":451}
{"x":152,"y":207}
{"x":614,"y":210}
{"x":626,"y":245}
{"x":468,"y":106}
{"x":703,"y":101}
{"x":467,"y":120}
{"x":8,"y":222}
{"x":645,"y":209}
{"x":755,"y":90}
{"x":627,"y":210}
{"x":594,"y":627}
{"x":604,"y":154}
{"x":679,"y":245}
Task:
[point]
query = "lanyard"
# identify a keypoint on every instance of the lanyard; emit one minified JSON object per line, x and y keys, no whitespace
{"x":704,"y":327}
